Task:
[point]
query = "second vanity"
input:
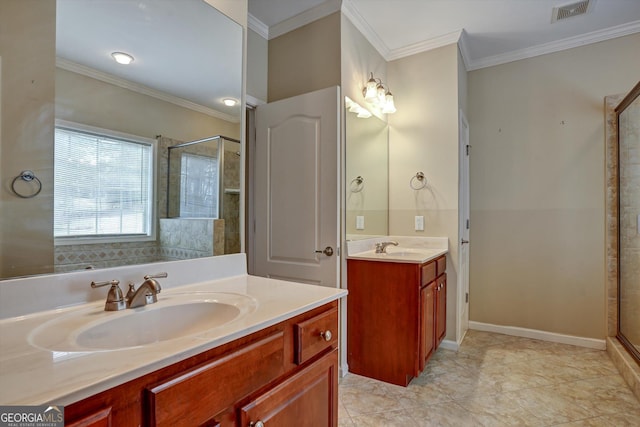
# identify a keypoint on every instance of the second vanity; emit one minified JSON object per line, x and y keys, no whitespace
{"x":396,"y":309}
{"x":271,"y":357}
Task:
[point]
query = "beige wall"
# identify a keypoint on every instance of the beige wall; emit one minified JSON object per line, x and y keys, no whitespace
{"x":92,"y":102}
{"x":305,"y":59}
{"x":359,"y":58}
{"x":537,"y":187}
{"x":27,"y":46}
{"x":423,"y":137}
{"x":257,"y":65}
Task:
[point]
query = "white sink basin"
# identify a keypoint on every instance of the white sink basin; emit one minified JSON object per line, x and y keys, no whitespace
{"x":400,"y":254}
{"x":173,"y":316}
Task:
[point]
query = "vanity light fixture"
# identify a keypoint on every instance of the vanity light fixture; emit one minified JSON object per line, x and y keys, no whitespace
{"x":354,"y":107}
{"x":229,"y":102}
{"x":122,"y":58}
{"x":377,"y":94}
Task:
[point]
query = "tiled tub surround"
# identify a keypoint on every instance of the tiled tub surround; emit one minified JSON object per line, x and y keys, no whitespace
{"x":179,"y":238}
{"x":497,"y":380}
{"x":30,"y":375}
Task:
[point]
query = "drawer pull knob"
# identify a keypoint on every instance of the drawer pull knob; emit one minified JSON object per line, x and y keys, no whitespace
{"x":256,"y":424}
{"x":326,"y":335}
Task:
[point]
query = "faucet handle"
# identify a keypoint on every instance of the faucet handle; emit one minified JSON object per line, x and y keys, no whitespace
{"x":115,"y":300}
{"x":156,"y":276}
{"x":108,"y":282}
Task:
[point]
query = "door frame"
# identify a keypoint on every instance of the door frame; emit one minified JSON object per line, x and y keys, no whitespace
{"x":463,"y":200}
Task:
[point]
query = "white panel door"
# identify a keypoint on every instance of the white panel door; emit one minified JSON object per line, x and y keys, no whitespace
{"x":464,"y":226}
{"x":296,"y":189}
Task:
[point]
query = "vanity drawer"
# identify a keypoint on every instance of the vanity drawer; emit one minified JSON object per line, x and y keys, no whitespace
{"x":314,"y":335}
{"x":441,"y":265}
{"x":428,"y":273}
{"x":216,"y":385}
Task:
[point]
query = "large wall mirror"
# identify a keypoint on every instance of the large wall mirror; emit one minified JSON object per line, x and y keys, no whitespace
{"x":628,"y":115}
{"x":104,"y":170}
{"x":367,"y":174}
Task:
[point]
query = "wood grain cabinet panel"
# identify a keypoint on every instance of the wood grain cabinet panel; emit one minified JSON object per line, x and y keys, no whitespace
{"x":288,"y":364}
{"x":301,"y":400}
{"x":315,"y":335}
{"x":396,"y":317}
{"x":216,"y":385}
{"x":100,"y":418}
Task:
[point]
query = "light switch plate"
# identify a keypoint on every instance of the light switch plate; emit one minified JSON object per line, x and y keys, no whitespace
{"x":359,"y":222}
{"x":419,"y":223}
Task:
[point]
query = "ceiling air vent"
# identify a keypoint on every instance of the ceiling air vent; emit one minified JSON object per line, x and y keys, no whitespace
{"x":570,"y":10}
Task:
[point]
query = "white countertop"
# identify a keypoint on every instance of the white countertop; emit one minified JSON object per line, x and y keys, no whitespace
{"x":33,"y":376}
{"x":411,"y":250}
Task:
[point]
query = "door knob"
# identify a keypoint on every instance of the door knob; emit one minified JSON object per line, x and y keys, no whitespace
{"x":328,"y":251}
{"x":463,"y":241}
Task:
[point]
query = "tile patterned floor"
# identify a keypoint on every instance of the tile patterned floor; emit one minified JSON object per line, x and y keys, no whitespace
{"x":497,"y":380}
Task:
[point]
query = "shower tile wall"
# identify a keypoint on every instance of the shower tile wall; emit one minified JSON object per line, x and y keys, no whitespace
{"x":231,"y":201}
{"x":628,"y":367}
{"x":185,"y":238}
{"x":629,"y":222}
{"x":78,"y":257}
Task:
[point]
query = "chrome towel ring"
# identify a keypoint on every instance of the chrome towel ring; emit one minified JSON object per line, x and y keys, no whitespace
{"x":418,"y":181}
{"x":27,"y":176}
{"x":357,"y":184}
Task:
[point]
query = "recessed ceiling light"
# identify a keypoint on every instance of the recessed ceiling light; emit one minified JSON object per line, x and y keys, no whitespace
{"x":229,"y":102}
{"x":122,"y":58}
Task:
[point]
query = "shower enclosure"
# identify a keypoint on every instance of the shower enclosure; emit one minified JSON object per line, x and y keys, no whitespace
{"x":628,"y":120}
{"x":204,"y":182}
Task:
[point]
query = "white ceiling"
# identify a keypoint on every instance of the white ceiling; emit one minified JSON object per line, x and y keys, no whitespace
{"x":185,"y":51}
{"x":495,"y":31}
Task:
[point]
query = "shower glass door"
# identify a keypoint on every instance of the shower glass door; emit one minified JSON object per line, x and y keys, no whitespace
{"x":629,"y":222}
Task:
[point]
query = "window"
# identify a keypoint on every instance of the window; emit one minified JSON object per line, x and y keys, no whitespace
{"x":198,"y":186}
{"x":103,"y":185}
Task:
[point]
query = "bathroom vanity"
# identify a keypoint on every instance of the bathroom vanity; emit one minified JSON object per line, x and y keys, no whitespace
{"x":396,"y":311}
{"x":272,"y":355}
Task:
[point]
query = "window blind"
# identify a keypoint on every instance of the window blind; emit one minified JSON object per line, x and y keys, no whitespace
{"x":102,"y":185}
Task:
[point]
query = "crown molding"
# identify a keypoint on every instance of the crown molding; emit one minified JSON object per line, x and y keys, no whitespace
{"x":463,"y":45}
{"x":365,"y":29}
{"x":74,"y":67}
{"x":258,"y":26}
{"x":557,"y":46}
{"x":423,"y":46}
{"x":320,"y":11}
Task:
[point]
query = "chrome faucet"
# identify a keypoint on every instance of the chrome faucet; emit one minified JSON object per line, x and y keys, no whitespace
{"x":146,"y":293}
{"x":381,"y":247}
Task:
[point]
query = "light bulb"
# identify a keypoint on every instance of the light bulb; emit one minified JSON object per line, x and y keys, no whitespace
{"x":122,"y":58}
{"x":229,"y":102}
{"x":389,"y":106}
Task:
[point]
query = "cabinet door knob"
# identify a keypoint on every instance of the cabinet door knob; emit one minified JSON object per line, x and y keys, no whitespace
{"x":326,"y":335}
{"x":256,"y":424}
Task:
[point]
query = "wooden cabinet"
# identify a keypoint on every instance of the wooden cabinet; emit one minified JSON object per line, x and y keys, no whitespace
{"x":285,"y":372}
{"x":427,"y":331}
{"x":396,"y":317}
{"x":441,"y":308}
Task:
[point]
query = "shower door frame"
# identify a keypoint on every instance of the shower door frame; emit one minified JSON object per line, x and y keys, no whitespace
{"x":628,"y":100}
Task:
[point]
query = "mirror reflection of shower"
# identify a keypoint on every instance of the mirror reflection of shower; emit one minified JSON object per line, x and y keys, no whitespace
{"x":203,"y":190}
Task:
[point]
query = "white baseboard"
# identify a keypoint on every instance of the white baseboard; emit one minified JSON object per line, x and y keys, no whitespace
{"x":450,"y":345}
{"x":539,"y":335}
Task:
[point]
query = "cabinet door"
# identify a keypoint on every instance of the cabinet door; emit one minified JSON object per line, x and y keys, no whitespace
{"x":101,"y":418}
{"x":441,"y":308}
{"x":427,"y":319}
{"x":307,"y":399}
{"x":192,"y":398}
